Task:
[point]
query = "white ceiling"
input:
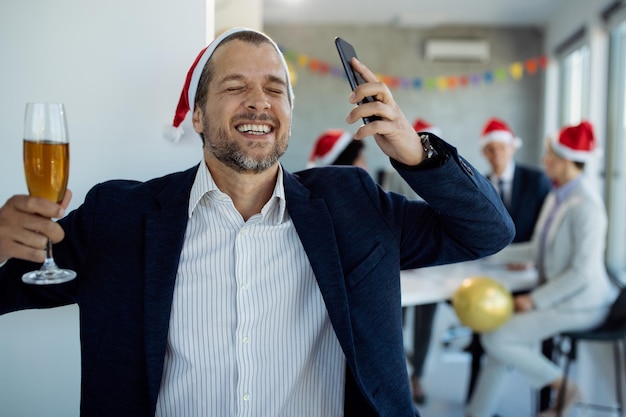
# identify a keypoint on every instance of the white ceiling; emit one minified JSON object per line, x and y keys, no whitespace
{"x":413,"y":13}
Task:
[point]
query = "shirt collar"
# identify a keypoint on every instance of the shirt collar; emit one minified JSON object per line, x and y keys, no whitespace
{"x":204,"y":184}
{"x":507,"y":174}
{"x":562,"y":192}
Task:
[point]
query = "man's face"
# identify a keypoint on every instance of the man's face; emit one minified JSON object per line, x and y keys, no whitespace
{"x":246,"y":121}
{"x":555,"y":166}
{"x":499,"y":154}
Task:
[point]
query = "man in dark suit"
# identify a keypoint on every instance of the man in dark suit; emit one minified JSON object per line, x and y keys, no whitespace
{"x":522,"y":188}
{"x":236,"y":285}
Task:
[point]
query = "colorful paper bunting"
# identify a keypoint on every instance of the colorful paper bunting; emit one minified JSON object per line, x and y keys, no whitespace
{"x":514,"y":71}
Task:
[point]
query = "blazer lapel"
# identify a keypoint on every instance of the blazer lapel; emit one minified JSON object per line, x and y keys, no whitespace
{"x":315,"y":229}
{"x":164,"y":235}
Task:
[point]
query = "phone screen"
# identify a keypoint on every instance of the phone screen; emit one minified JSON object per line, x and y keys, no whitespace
{"x":346,"y":52}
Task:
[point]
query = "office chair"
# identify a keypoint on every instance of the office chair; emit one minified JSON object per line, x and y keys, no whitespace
{"x":612,"y":330}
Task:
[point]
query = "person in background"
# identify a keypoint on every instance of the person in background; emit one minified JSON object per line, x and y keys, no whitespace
{"x":424,"y":314}
{"x":337,"y":147}
{"x":522,"y":188}
{"x":237,"y":287}
{"x":574,"y":291}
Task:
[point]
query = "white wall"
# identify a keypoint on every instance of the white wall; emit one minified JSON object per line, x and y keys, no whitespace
{"x":119,"y":67}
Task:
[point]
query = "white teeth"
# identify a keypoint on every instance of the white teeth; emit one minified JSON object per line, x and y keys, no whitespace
{"x":254,"y":129}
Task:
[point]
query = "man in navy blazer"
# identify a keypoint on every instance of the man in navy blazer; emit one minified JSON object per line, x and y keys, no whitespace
{"x":125,"y":241}
{"x":522,"y":188}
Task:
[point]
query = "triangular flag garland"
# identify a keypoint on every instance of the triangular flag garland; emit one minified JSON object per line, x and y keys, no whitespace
{"x":514,"y":71}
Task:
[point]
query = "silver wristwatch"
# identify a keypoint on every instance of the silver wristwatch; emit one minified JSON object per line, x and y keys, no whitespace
{"x":429,"y":150}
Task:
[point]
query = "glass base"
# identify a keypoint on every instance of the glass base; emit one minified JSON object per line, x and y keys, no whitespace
{"x":48,"y":276}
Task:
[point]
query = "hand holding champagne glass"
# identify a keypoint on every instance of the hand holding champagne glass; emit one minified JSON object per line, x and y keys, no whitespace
{"x":46,"y":166}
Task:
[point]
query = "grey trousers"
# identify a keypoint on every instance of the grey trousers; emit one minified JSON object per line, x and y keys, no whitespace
{"x":422,"y":332}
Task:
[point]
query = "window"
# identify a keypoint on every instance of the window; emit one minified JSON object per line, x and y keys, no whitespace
{"x":574,"y":86}
{"x":616,"y":152}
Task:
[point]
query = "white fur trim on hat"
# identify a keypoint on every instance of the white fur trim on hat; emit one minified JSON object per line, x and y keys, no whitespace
{"x":500,"y":136}
{"x":572,"y":154}
{"x":327,"y":159}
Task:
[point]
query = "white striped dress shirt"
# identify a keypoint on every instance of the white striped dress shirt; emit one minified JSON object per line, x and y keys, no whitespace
{"x":249,"y":333}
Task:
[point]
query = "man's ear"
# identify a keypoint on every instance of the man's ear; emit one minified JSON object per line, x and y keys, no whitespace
{"x":196,"y":119}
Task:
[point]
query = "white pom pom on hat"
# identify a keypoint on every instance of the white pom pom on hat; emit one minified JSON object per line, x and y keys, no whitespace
{"x":328,"y":147}
{"x":421,"y":125}
{"x":496,"y":130}
{"x":186,"y":103}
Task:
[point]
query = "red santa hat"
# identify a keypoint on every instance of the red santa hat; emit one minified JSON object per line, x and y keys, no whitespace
{"x":576,"y":143}
{"x":421,"y":125}
{"x":187,"y":99}
{"x":328,"y":147}
{"x":496,"y":130}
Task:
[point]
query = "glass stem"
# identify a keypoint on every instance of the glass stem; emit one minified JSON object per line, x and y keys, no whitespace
{"x":49,"y":264}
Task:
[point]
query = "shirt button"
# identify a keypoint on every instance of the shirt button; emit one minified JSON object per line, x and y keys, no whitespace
{"x":246,"y":397}
{"x":244,"y":286}
{"x":245,"y":339}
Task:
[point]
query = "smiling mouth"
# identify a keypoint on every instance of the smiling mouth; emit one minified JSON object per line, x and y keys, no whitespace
{"x":254,"y":129}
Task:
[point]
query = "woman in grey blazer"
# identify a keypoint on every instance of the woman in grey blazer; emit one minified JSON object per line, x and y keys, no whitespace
{"x":574,"y":291}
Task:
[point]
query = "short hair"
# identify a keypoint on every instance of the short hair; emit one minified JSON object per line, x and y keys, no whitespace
{"x":208,"y":71}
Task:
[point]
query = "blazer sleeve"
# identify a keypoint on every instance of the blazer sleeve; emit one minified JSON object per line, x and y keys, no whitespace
{"x":466,"y":220}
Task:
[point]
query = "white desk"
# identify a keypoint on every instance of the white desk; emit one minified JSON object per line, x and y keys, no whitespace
{"x":438,"y":283}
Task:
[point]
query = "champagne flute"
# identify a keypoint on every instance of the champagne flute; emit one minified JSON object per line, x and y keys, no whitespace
{"x":46,"y":167}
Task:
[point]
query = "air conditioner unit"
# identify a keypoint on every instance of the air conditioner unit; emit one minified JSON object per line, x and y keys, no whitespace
{"x":466,"y":50}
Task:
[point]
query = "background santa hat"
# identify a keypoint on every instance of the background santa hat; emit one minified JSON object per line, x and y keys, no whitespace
{"x":496,"y":130}
{"x":328,"y":147}
{"x":576,"y":143}
{"x":421,"y":125}
{"x":187,"y":99}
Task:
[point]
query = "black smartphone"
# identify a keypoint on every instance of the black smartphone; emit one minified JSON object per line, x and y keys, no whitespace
{"x":346,"y":52}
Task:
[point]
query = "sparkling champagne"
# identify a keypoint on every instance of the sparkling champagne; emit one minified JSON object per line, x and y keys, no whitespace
{"x":46,"y":165}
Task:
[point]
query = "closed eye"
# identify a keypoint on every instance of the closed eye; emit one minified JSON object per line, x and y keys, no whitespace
{"x":276,"y":90}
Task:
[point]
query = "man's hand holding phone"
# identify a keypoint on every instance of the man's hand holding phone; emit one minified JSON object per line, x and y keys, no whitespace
{"x":382,"y":116}
{"x":346,"y":53}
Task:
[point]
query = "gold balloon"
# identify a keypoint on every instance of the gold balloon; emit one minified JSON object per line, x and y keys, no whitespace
{"x":482,"y":303}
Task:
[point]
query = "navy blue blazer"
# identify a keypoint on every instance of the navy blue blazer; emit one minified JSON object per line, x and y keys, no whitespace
{"x":125,"y":242}
{"x":529,"y":190}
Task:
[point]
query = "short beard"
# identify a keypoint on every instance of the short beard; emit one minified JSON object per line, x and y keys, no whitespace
{"x":231,"y":154}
